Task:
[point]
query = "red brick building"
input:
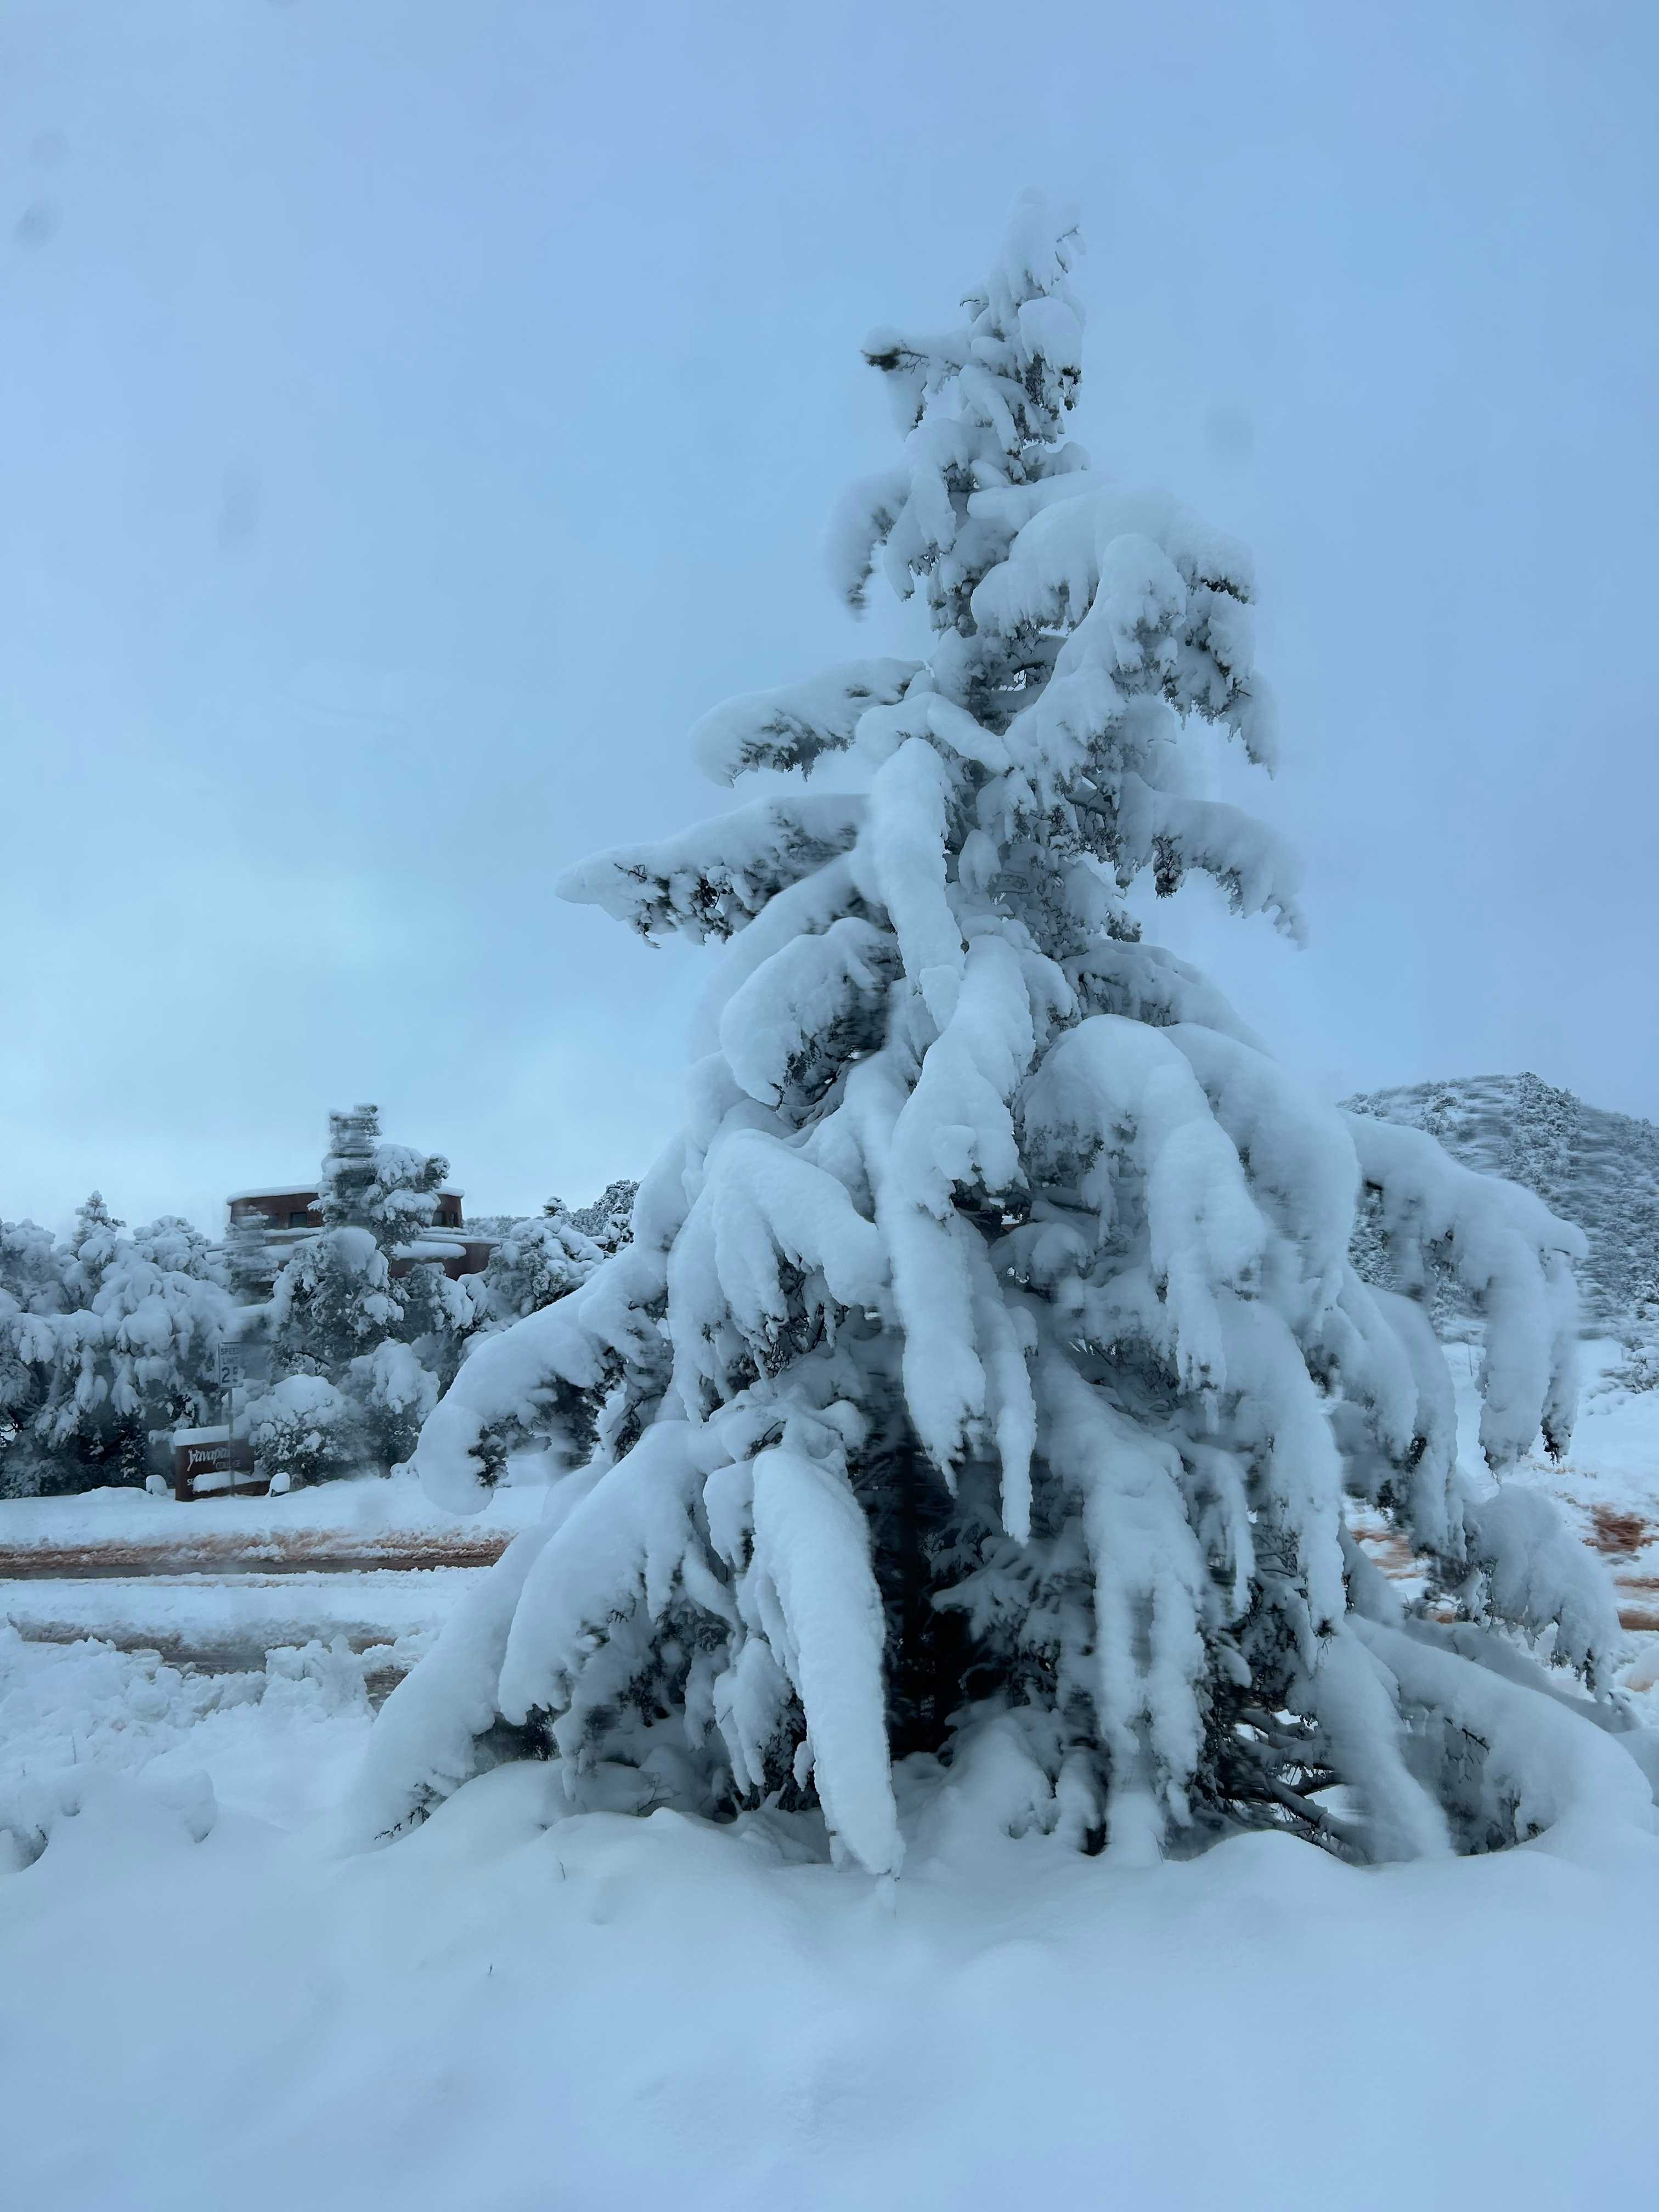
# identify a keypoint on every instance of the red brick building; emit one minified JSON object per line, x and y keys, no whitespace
{"x":290,"y":1216}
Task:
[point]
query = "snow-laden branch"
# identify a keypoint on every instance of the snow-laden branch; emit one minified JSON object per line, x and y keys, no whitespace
{"x":793,"y":727}
{"x":1509,"y":1251}
{"x":713,"y":880}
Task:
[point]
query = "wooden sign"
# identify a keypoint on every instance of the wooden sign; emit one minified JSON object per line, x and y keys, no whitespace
{"x":212,"y":1469}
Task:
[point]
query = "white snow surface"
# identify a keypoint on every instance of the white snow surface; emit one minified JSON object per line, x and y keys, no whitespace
{"x":358,"y":1510}
{"x":280,"y":1740}
{"x":242,"y":1617}
{"x":494,"y":2011}
{"x":512,"y":2010}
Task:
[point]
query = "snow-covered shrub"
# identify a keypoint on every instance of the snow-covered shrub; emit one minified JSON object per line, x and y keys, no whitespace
{"x":304,"y":1430}
{"x":986,"y":1369}
{"x":545,"y":1257}
{"x":392,"y":1394}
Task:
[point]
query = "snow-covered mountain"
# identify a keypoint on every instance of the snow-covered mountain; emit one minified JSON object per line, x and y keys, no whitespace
{"x":1598,"y":1169}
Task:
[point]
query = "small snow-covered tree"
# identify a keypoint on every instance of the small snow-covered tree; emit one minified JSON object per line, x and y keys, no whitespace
{"x":609,"y":1220}
{"x":536,"y":1261}
{"x":384,"y":1342}
{"x":983,"y":1382}
{"x":109,"y":1342}
{"x":93,"y":1245}
{"x":303,"y":1430}
{"x":1638,"y":1364}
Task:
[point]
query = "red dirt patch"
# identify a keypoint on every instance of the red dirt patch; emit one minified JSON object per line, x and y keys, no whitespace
{"x":1616,"y":1531}
{"x":299,"y":1552}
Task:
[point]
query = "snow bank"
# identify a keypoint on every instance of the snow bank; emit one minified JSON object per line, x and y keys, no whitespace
{"x":361,"y":1509}
{"x":238,"y":1618}
{"x":80,"y":1721}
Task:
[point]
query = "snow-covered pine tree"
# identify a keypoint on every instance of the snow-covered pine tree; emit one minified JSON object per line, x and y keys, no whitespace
{"x":609,"y":1220}
{"x":983,"y":1383}
{"x":32,"y":1294}
{"x":1639,"y":1364}
{"x":106,"y":1343}
{"x":536,"y":1261}
{"x":93,"y":1242}
{"x":32,"y":1263}
{"x":340,"y":1317}
{"x":245,"y":1258}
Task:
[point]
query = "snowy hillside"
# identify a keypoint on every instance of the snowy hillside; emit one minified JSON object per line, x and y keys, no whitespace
{"x":1598,"y":1169}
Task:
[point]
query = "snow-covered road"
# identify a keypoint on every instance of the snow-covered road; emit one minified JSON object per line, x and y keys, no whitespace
{"x":217,"y":1584}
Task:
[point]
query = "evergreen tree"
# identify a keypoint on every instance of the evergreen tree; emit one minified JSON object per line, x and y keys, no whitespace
{"x":1638,"y":1364}
{"x":246,"y":1255}
{"x":32,"y":1264}
{"x":304,"y":1430}
{"x":536,"y":1261}
{"x":383,"y":1343}
{"x":173,"y":1243}
{"x":983,"y":1380}
{"x":94,"y":1243}
{"x":33,"y":1293}
{"x":609,"y":1220}
{"x":106,"y":1344}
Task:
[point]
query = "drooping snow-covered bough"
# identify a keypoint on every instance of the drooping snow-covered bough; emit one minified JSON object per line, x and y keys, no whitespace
{"x":988,"y":1366}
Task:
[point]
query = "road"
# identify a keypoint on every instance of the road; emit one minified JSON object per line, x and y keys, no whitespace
{"x":218,"y":1602}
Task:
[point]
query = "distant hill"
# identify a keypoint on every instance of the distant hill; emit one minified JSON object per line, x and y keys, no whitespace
{"x":1597,"y":1169}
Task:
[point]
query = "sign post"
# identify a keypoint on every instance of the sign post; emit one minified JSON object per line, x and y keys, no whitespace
{"x":241,"y":1359}
{"x":216,"y":1461}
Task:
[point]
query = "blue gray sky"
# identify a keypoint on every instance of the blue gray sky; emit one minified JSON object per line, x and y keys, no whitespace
{"x":412,"y":416}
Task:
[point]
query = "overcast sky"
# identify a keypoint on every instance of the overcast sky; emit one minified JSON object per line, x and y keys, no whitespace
{"x":412,"y":416}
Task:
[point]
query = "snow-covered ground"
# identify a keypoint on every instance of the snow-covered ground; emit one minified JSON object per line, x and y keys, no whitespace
{"x":499,"y":2013}
{"x":278,"y":1741}
{"x":367,"y":1515}
{"x":218,"y":1583}
{"x":204,"y":2003}
{"x":223,"y":1622}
